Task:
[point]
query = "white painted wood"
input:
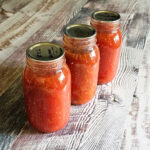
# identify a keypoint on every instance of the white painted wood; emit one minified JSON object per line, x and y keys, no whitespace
{"x":137,"y":133}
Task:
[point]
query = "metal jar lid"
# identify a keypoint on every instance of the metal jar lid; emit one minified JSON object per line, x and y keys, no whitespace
{"x":106,"y":16}
{"x":45,"y":52}
{"x":80,"y":31}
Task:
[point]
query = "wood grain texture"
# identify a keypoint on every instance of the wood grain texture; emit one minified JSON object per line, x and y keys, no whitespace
{"x":12,"y":115}
{"x":13,"y":6}
{"x":42,"y":23}
{"x":10,"y":7}
{"x":117,"y":106}
{"x":137,"y":133}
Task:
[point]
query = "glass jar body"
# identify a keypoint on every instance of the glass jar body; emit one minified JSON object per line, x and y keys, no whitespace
{"x":47,"y":97}
{"x":84,"y":67}
{"x":109,"y":43}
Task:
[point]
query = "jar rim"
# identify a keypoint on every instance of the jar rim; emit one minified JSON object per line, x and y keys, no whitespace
{"x":80,"y":31}
{"x":112,"y":17}
{"x":45,"y":58}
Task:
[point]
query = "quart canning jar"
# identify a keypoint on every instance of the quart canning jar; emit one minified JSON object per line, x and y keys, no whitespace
{"x":109,"y":39}
{"x":47,"y":87}
{"x":82,"y":57}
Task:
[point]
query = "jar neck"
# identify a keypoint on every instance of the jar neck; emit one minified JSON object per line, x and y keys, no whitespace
{"x":102,"y":26}
{"x":45,"y":67}
{"x":79,"y":45}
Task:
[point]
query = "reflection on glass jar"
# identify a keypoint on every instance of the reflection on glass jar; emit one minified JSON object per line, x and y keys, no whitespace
{"x":47,"y":87}
{"x":109,"y":38}
{"x":82,"y":56}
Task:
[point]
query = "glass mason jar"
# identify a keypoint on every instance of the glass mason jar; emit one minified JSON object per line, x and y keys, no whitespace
{"x":82,"y":57}
{"x":47,"y":87}
{"x":109,"y":39}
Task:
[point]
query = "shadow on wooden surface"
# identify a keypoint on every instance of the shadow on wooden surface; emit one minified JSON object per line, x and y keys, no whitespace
{"x":12,"y":114}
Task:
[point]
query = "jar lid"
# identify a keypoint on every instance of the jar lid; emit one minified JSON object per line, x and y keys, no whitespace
{"x":106,"y":16}
{"x":45,"y":52}
{"x":80,"y":31}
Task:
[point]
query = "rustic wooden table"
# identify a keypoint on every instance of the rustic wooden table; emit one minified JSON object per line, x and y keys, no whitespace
{"x":119,"y":115}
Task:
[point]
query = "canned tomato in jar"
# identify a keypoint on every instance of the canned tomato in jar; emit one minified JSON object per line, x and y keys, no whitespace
{"x":82,"y":57}
{"x":47,"y":87}
{"x":109,"y":39}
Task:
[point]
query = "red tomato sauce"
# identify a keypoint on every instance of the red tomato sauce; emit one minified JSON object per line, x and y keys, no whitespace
{"x":109,"y":38}
{"x":47,"y":92}
{"x":47,"y":99}
{"x":82,"y":57}
{"x":109,"y":46}
{"x":84,"y":72}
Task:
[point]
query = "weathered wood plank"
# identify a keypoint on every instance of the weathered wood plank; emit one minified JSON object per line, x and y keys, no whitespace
{"x":137,"y":133}
{"x":14,"y":6}
{"x":41,"y":27}
{"x":84,"y":130}
{"x":69,"y":137}
{"x":10,"y":7}
{"x":10,"y":66}
{"x":100,"y":123}
{"x":12,"y":115}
